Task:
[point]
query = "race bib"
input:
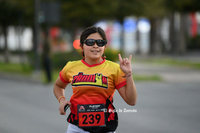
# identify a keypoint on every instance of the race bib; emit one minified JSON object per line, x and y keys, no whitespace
{"x":91,"y":115}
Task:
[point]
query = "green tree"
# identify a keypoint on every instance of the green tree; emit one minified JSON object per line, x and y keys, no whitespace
{"x":8,"y":10}
{"x":154,"y":10}
{"x":13,"y":12}
{"x":178,"y":38}
{"x":78,"y":13}
{"x":84,"y":13}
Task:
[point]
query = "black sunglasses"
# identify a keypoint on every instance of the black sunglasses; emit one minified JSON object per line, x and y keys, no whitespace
{"x":99,"y":42}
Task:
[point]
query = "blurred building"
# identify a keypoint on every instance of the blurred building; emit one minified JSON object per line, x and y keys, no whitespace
{"x":18,"y":39}
{"x":132,"y":35}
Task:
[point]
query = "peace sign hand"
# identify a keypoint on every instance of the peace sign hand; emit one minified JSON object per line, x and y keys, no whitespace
{"x":125,"y":64}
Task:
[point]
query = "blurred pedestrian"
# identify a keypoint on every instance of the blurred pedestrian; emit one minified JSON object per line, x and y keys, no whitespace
{"x":46,"y":56}
{"x":94,"y":81}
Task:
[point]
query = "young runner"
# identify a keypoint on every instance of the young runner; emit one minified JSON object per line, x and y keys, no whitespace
{"x":94,"y":81}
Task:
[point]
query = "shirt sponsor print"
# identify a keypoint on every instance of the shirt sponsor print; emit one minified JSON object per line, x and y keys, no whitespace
{"x":90,"y":80}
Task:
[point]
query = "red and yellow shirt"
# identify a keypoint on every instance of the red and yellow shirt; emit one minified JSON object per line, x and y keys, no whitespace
{"x":92,"y":84}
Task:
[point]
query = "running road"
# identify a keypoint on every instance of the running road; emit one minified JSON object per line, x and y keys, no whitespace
{"x":161,"y":107}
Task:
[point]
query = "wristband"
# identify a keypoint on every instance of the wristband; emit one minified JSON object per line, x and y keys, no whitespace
{"x":127,"y":75}
{"x":60,"y":98}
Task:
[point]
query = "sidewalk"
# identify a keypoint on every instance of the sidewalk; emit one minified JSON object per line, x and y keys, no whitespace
{"x":167,"y":73}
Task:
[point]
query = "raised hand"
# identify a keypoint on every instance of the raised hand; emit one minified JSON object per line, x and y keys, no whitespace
{"x":125,"y":64}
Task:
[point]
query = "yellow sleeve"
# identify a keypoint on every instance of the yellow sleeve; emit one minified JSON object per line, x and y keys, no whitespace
{"x":63,"y":74}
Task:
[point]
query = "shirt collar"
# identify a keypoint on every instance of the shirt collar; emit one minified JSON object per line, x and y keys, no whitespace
{"x":93,"y":64}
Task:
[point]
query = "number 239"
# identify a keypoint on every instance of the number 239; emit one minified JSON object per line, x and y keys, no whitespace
{"x":91,"y":118}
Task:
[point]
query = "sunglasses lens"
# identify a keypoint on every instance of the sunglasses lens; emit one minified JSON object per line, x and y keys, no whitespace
{"x":101,"y":43}
{"x":89,"y":42}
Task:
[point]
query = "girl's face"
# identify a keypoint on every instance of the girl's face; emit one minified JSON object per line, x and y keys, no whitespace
{"x":93,"y":52}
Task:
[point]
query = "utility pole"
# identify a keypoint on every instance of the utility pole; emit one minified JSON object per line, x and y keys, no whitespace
{"x":36,"y":35}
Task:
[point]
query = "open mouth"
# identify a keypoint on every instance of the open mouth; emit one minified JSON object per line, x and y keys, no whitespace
{"x":94,"y":51}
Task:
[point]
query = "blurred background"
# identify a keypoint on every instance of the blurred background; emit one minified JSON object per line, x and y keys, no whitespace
{"x":38,"y":37}
{"x":39,"y":34}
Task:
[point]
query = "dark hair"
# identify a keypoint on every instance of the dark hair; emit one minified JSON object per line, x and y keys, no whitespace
{"x":91,"y":30}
